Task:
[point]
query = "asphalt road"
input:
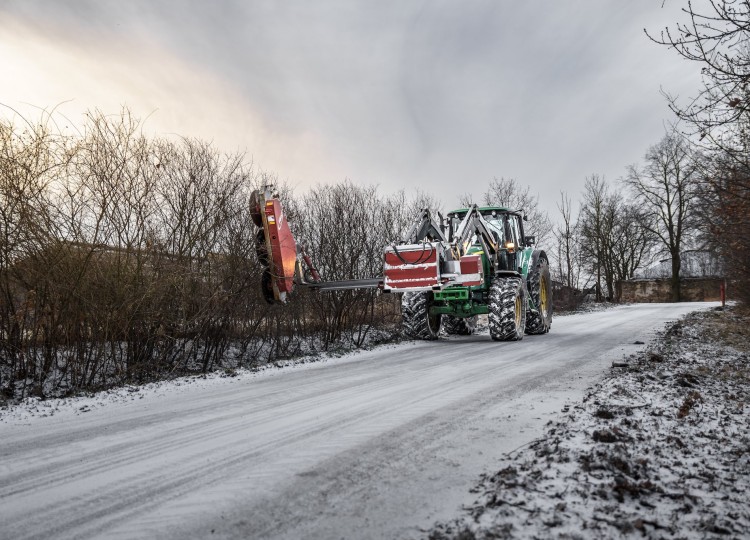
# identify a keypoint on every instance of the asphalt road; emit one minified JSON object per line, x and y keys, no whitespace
{"x":375,"y":445}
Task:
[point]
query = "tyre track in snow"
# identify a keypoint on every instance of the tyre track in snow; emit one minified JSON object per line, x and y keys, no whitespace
{"x":141,"y":490}
{"x":92,"y":461}
{"x":275,"y":456}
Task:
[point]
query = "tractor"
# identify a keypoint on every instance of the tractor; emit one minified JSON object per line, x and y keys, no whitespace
{"x":448,"y":270}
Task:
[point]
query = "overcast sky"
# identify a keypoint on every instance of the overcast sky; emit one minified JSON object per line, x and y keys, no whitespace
{"x":439,"y":95}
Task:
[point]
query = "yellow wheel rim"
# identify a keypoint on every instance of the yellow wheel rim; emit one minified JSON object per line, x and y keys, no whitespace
{"x":518,"y":311}
{"x":543,"y":298}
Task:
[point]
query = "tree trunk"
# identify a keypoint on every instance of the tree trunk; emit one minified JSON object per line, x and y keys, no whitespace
{"x":676,"y":263}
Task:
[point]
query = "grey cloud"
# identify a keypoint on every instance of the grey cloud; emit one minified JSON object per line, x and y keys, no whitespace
{"x":442,"y":95}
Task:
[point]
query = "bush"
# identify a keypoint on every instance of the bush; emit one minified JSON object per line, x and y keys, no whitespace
{"x":125,"y":259}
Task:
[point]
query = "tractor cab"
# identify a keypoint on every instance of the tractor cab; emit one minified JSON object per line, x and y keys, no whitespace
{"x":504,"y":225}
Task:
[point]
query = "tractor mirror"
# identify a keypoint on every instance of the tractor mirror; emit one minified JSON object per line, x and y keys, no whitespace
{"x":530,"y":240}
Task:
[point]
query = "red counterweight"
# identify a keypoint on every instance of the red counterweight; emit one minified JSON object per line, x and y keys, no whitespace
{"x":413,"y":267}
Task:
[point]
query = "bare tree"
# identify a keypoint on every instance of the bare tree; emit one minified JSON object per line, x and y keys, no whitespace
{"x":666,"y":188}
{"x":716,"y":36}
{"x":420,"y":199}
{"x":615,"y":238}
{"x":31,"y":159}
{"x":633,"y":243}
{"x":345,"y":227}
{"x":592,"y":224}
{"x":507,"y":192}
{"x":567,"y":245}
{"x":724,"y":207}
{"x":124,"y":258}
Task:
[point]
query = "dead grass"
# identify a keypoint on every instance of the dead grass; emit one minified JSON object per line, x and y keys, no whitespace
{"x":731,"y":326}
{"x":690,"y":401}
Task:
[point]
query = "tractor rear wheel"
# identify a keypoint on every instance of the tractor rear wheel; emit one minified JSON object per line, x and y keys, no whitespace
{"x":416,"y":319}
{"x":460,"y":326}
{"x":540,"y":290}
{"x":507,"y":309}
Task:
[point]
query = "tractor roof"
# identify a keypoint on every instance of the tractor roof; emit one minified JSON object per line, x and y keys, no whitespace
{"x":483,"y":209}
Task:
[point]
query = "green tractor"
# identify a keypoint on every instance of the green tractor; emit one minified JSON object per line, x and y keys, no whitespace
{"x":478,"y":261}
{"x":449,"y":271}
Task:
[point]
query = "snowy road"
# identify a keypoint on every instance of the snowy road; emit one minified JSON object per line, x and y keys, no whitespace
{"x":372,"y":445}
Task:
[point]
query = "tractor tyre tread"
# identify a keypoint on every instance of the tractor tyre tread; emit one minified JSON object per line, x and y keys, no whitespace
{"x":536,"y":321}
{"x":502,"y":309}
{"x":416,"y":320}
{"x":459,"y":326}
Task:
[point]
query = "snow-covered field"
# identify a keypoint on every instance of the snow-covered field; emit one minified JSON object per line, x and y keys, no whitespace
{"x":380,"y":444}
{"x":659,"y":449}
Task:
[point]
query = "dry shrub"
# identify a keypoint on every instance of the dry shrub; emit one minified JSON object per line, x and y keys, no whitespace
{"x":124,"y":258}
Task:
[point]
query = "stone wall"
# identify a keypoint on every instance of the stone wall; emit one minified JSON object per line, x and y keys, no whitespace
{"x":659,"y":290}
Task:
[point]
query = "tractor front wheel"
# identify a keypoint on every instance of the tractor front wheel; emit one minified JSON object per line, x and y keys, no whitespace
{"x":416,"y":319}
{"x":507,"y":309}
{"x":459,"y":326}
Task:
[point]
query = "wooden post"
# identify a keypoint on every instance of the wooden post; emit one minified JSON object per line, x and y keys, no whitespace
{"x":723,"y":289}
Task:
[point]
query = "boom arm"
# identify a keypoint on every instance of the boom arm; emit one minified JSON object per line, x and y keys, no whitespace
{"x":286,"y":263}
{"x":473,"y":223}
{"x":424,"y":227}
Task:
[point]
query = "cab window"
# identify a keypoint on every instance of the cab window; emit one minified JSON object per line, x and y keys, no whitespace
{"x":515,"y":230}
{"x":496,"y":225}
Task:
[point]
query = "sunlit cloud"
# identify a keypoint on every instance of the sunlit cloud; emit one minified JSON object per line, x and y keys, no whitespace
{"x":72,"y":72}
{"x":441,"y":95}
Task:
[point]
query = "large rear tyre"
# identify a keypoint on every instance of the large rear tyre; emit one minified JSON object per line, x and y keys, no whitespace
{"x":459,"y":326}
{"x":416,"y":319}
{"x":507,"y":309}
{"x":539,"y":320}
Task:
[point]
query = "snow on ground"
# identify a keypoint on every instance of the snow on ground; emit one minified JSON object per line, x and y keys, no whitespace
{"x":380,"y":444}
{"x":659,"y":449}
{"x":34,"y":407}
{"x":23,"y":410}
{"x":589,"y":307}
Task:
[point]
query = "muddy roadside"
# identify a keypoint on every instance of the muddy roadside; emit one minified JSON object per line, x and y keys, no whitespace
{"x":659,"y":449}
